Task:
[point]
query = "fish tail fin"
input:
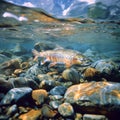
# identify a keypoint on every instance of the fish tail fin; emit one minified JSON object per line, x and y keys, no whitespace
{"x":36,"y":54}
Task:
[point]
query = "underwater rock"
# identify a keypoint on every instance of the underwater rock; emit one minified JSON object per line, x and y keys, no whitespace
{"x":5,"y":85}
{"x":39,"y":96}
{"x":42,"y":77}
{"x":12,"y":110}
{"x":31,"y":115}
{"x":48,"y":112}
{"x":33,"y":71}
{"x":9,"y":66}
{"x":55,"y":104}
{"x":15,"y":95}
{"x":94,"y":117}
{"x":91,"y":73}
{"x":55,"y":97}
{"x":66,"y":109}
{"x":6,"y":53}
{"x":106,"y":66}
{"x":78,"y":116}
{"x":17,"y":72}
{"x":58,"y":90}
{"x":23,"y":82}
{"x":101,"y":97}
{"x":71,"y":75}
{"x":24,"y":65}
{"x":47,"y":84}
{"x":46,"y":81}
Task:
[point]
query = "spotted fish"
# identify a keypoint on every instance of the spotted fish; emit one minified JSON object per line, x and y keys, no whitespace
{"x":65,"y":56}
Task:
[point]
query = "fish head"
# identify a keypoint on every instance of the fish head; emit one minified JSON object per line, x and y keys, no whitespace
{"x":83,"y":60}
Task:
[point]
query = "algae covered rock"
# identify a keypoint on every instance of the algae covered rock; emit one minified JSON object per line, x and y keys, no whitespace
{"x":102,"y":96}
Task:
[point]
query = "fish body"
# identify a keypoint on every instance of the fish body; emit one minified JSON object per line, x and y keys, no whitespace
{"x":65,"y":56}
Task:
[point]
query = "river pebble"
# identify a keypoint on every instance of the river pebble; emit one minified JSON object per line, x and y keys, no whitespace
{"x":31,"y":115}
{"x":71,"y":75}
{"x":66,"y":109}
{"x":39,"y":96}
{"x":15,"y":95}
{"x":48,"y":112}
{"x":58,"y":90}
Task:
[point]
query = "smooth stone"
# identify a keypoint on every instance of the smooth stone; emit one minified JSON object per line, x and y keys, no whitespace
{"x":17,"y":72}
{"x":33,"y":71}
{"x":94,"y":117}
{"x":78,"y":116}
{"x":55,"y":97}
{"x":24,"y":65}
{"x":23,"y":82}
{"x":42,"y":77}
{"x":58,"y":90}
{"x":106,"y":66}
{"x":15,"y":95}
{"x":66,"y":109}
{"x":39,"y":96}
{"x":71,"y":75}
{"x":55,"y":104}
{"x":101,"y":97}
{"x":22,"y":109}
{"x":31,"y":115}
{"x":5,"y":85}
{"x":47,"y":84}
{"x":11,"y":64}
{"x":48,"y":112}
{"x":4,"y":117}
{"x":12,"y":110}
{"x":91,"y":73}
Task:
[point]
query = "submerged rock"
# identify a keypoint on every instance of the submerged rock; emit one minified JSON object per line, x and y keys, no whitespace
{"x":66,"y":109}
{"x":58,"y":90}
{"x":101,"y":97}
{"x":31,"y":115}
{"x":5,"y":85}
{"x":39,"y":96}
{"x":91,"y":73}
{"x":23,"y":82}
{"x":15,"y":95}
{"x":94,"y":117}
{"x":107,"y":68}
{"x":48,"y":112}
{"x":12,"y":110}
{"x":71,"y":75}
{"x":9,"y":66}
{"x":33,"y":71}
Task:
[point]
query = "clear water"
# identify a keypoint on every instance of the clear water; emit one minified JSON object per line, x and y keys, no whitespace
{"x":101,"y":37}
